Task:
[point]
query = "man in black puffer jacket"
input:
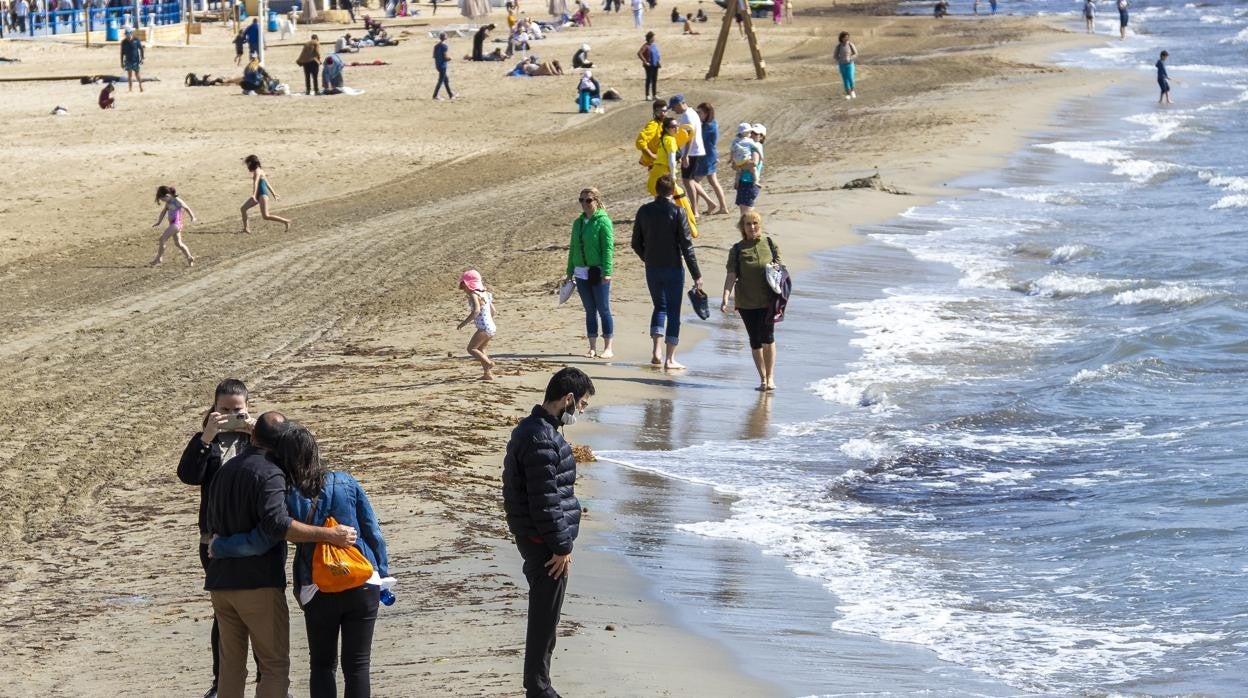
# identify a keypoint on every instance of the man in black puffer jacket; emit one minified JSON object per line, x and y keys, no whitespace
{"x":539,"y":478}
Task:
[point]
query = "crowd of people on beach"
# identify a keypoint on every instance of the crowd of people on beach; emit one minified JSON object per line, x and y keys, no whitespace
{"x":262,"y":481}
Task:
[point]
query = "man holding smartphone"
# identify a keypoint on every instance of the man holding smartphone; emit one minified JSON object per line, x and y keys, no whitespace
{"x":544,"y":515}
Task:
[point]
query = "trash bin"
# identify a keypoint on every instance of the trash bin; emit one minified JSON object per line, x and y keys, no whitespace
{"x":112,"y":33}
{"x":272,"y":21}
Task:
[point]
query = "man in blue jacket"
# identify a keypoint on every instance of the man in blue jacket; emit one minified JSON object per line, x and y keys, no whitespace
{"x":539,"y":478}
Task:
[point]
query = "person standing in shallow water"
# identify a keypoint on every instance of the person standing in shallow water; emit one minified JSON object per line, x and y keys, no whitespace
{"x":747,"y":279}
{"x":1163,"y":79}
{"x":662,"y":239}
{"x":1123,"y":18}
{"x":544,"y":515}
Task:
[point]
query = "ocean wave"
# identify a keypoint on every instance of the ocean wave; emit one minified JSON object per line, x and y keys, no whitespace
{"x":1161,"y":125}
{"x":1025,"y":642}
{"x":1231,"y":201}
{"x":1108,"y":153}
{"x":1240,"y":38}
{"x":1070,"y":252}
{"x":1168,"y":294}
{"x":1062,"y":285}
{"x":1039,"y":195}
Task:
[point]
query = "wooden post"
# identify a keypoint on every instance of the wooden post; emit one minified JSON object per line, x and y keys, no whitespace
{"x":756,"y":54}
{"x":190,"y":10}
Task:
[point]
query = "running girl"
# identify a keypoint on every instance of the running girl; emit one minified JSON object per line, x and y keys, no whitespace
{"x":481,"y":314}
{"x":261,"y":190}
{"x":173,"y":208}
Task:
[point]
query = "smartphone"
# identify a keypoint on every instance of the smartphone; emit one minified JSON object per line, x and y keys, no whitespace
{"x":233,"y":422}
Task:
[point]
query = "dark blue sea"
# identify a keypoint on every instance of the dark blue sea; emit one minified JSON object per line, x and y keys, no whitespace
{"x":1017,"y":444}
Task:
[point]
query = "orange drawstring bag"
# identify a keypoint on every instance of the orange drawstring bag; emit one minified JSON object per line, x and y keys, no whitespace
{"x":337,"y":569}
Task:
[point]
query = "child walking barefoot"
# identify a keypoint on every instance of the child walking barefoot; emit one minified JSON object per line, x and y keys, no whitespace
{"x":261,"y":190}
{"x":173,"y":209}
{"x":481,"y":314}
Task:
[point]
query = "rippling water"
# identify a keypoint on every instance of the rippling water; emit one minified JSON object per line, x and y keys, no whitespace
{"x":1034,"y":464}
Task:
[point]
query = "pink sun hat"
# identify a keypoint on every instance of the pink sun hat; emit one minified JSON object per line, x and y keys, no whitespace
{"x":471,"y":280}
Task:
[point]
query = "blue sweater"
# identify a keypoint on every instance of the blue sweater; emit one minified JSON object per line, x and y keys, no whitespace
{"x":340,"y":497}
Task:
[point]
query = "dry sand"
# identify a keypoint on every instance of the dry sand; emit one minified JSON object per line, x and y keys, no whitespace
{"x":347,"y":323}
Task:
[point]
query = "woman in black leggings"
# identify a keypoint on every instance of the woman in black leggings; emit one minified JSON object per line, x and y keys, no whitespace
{"x":747,"y":263}
{"x":649,"y":56}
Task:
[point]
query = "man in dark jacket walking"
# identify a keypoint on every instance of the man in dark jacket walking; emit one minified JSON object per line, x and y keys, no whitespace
{"x":539,"y":478}
{"x":247,"y":592}
{"x":661,"y":237}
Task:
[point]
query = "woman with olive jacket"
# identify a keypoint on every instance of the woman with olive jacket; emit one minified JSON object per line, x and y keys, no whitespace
{"x":747,"y":279}
{"x":591,"y":254}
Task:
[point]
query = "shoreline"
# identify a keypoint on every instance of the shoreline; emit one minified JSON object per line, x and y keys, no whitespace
{"x":476,"y":589}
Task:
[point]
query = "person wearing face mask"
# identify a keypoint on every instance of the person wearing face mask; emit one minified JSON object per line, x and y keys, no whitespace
{"x":539,"y":478}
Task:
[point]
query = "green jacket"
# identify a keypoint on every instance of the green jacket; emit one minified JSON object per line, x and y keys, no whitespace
{"x":593,"y":243}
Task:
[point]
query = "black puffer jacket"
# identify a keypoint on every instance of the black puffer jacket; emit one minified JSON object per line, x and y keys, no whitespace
{"x":539,"y":479}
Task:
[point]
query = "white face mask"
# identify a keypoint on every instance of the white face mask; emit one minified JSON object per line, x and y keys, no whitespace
{"x":568,"y":418}
{"x":569,"y":415}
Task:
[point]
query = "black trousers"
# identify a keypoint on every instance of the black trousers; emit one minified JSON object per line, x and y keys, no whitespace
{"x":309,"y":78}
{"x":353,"y":613}
{"x":545,"y":605}
{"x":652,"y":81}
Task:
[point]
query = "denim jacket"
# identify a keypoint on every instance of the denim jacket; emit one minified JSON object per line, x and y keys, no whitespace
{"x":340,"y":497}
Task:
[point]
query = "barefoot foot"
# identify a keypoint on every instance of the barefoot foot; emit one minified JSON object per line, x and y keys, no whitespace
{"x":608,"y":354}
{"x":672,"y":365}
{"x":656,"y":360}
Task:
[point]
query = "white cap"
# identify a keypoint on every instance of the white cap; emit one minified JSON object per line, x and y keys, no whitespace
{"x":584,"y":47}
{"x":744,"y":128}
{"x":759,"y":129}
{"x":589,"y":74}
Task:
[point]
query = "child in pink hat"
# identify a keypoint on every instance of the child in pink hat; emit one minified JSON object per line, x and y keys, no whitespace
{"x":481,"y":314}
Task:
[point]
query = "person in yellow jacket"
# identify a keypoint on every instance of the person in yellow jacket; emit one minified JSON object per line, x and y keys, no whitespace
{"x":648,"y":138}
{"x":659,"y":142}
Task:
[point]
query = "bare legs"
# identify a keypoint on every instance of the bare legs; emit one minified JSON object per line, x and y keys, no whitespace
{"x":765,"y":364}
{"x":133,"y":76}
{"x":719,"y":194}
{"x":263,"y":203}
{"x":175,"y":233}
{"x":664,"y":355}
{"x":476,"y":348}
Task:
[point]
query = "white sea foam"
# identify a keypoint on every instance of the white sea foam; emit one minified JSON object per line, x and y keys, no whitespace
{"x":1063,"y":285}
{"x":1240,"y":38}
{"x":1039,"y":195}
{"x":1231,"y":201}
{"x":1109,"y":153}
{"x":1070,"y":252}
{"x":1161,"y":125}
{"x":908,"y":598}
{"x":1167,"y":294}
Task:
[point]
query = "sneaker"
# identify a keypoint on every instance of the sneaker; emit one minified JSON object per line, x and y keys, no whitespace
{"x":853,"y":95}
{"x":848,"y":97}
{"x":600,"y":110}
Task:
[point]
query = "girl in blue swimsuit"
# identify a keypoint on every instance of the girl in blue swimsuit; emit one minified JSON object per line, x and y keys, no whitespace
{"x":261,"y":190}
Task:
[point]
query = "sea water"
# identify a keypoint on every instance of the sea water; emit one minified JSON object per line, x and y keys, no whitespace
{"x":1028,"y":459}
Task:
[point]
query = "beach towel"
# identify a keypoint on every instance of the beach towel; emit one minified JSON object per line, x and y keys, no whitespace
{"x":361,"y":65}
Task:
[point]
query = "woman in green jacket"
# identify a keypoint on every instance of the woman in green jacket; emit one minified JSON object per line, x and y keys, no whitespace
{"x":591,"y":254}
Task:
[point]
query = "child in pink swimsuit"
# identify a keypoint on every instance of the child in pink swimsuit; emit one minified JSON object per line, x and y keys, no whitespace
{"x":173,"y":208}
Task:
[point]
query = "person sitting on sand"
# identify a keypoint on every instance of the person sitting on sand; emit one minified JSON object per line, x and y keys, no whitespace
{"x":581,"y":18}
{"x":677,"y":18}
{"x":580,"y":59}
{"x":346,"y":44}
{"x":688,"y":29}
{"x":106,"y":96}
{"x":700,"y":16}
{"x":256,"y":79}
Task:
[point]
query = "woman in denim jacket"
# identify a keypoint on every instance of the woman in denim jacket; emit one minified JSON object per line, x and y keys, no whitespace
{"x":352,"y":612}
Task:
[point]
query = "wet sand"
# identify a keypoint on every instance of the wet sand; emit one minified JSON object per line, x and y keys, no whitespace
{"x":347,"y":322}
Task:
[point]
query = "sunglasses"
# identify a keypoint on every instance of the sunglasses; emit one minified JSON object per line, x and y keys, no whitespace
{"x":586,"y":201}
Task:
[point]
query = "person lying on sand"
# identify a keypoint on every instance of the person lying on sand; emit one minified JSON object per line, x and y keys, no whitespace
{"x":206,"y":81}
{"x":536,"y":69}
{"x":99,"y":79}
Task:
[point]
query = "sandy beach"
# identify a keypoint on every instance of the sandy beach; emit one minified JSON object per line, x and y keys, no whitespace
{"x":346,"y":323}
